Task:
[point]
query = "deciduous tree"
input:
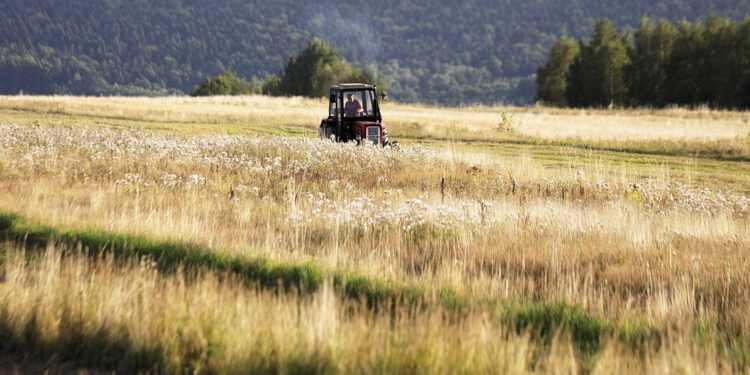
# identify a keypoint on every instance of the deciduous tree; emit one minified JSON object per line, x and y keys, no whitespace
{"x":551,"y":78}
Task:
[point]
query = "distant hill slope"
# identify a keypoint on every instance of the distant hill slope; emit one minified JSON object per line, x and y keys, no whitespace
{"x":435,"y":51}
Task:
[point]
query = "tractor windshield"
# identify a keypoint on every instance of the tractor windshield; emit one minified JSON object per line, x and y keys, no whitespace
{"x":359,"y":103}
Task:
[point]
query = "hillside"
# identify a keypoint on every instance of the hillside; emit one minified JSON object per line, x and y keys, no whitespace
{"x":447,"y":52}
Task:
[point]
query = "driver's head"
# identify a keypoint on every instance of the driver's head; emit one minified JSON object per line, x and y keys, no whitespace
{"x":350,"y":97}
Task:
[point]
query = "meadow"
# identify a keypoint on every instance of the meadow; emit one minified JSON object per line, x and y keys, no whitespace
{"x":216,"y":235}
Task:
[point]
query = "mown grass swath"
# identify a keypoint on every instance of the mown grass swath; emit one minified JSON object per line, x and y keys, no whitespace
{"x":703,"y":133}
{"x":170,"y":256}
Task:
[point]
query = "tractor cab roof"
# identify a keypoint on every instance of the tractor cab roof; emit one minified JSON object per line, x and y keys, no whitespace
{"x":352,"y":86}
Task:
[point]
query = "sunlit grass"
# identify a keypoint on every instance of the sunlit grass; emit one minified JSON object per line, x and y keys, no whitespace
{"x":209,"y":323}
{"x":703,"y":133}
{"x":567,"y":261}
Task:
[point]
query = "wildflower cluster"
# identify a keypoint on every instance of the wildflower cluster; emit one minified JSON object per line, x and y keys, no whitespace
{"x":258,"y":166}
{"x":250,"y":158}
{"x":676,"y":195}
{"x":369,"y":214}
{"x":135,"y":180}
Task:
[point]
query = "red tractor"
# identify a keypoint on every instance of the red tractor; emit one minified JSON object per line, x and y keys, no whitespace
{"x":354,"y":115}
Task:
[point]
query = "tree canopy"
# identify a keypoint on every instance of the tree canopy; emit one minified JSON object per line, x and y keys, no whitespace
{"x":551,"y":77}
{"x":596,"y":76}
{"x":226,"y":83}
{"x":311,"y":73}
{"x":705,"y":63}
{"x":315,"y":69}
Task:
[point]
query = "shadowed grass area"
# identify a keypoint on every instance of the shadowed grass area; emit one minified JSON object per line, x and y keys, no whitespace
{"x":101,"y":348}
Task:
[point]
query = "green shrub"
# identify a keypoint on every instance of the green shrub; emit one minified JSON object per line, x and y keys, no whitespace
{"x":226,"y":83}
{"x":638,"y":333}
{"x":543,"y":321}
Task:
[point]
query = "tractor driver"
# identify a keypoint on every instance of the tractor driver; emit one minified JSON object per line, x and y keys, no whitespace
{"x":352,"y":107}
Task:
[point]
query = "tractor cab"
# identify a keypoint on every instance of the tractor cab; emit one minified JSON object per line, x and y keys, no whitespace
{"x":354,"y":115}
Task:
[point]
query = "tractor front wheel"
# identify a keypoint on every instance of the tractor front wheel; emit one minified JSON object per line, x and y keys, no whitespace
{"x":325,"y":132}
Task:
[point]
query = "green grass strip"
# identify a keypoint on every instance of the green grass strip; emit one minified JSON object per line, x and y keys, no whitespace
{"x":674,"y":148}
{"x":542,"y":320}
{"x":169,"y":255}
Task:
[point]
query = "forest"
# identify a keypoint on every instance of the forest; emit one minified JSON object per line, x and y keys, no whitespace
{"x":661,"y":64}
{"x":440,"y":52}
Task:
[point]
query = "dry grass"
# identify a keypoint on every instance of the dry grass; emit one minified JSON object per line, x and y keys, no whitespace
{"x":213,"y":325}
{"x":652,"y":258}
{"x":212,"y":110}
{"x":209,"y":324}
{"x":471,"y":123}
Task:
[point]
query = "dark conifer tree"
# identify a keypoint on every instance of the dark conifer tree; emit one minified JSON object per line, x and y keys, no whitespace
{"x":647,"y":73}
{"x":685,"y":66}
{"x":597,"y":75}
{"x":720,"y":72}
{"x":742,"y":88}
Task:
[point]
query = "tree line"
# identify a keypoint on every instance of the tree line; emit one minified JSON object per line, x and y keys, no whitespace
{"x":433,"y":51}
{"x":661,"y":64}
{"x":310,"y":74}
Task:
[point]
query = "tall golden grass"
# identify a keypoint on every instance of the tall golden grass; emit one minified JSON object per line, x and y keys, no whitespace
{"x":470,"y":123}
{"x":663,"y":264}
{"x":130,"y":318}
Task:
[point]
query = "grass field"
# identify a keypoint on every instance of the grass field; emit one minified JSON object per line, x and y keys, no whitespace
{"x":215,"y":235}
